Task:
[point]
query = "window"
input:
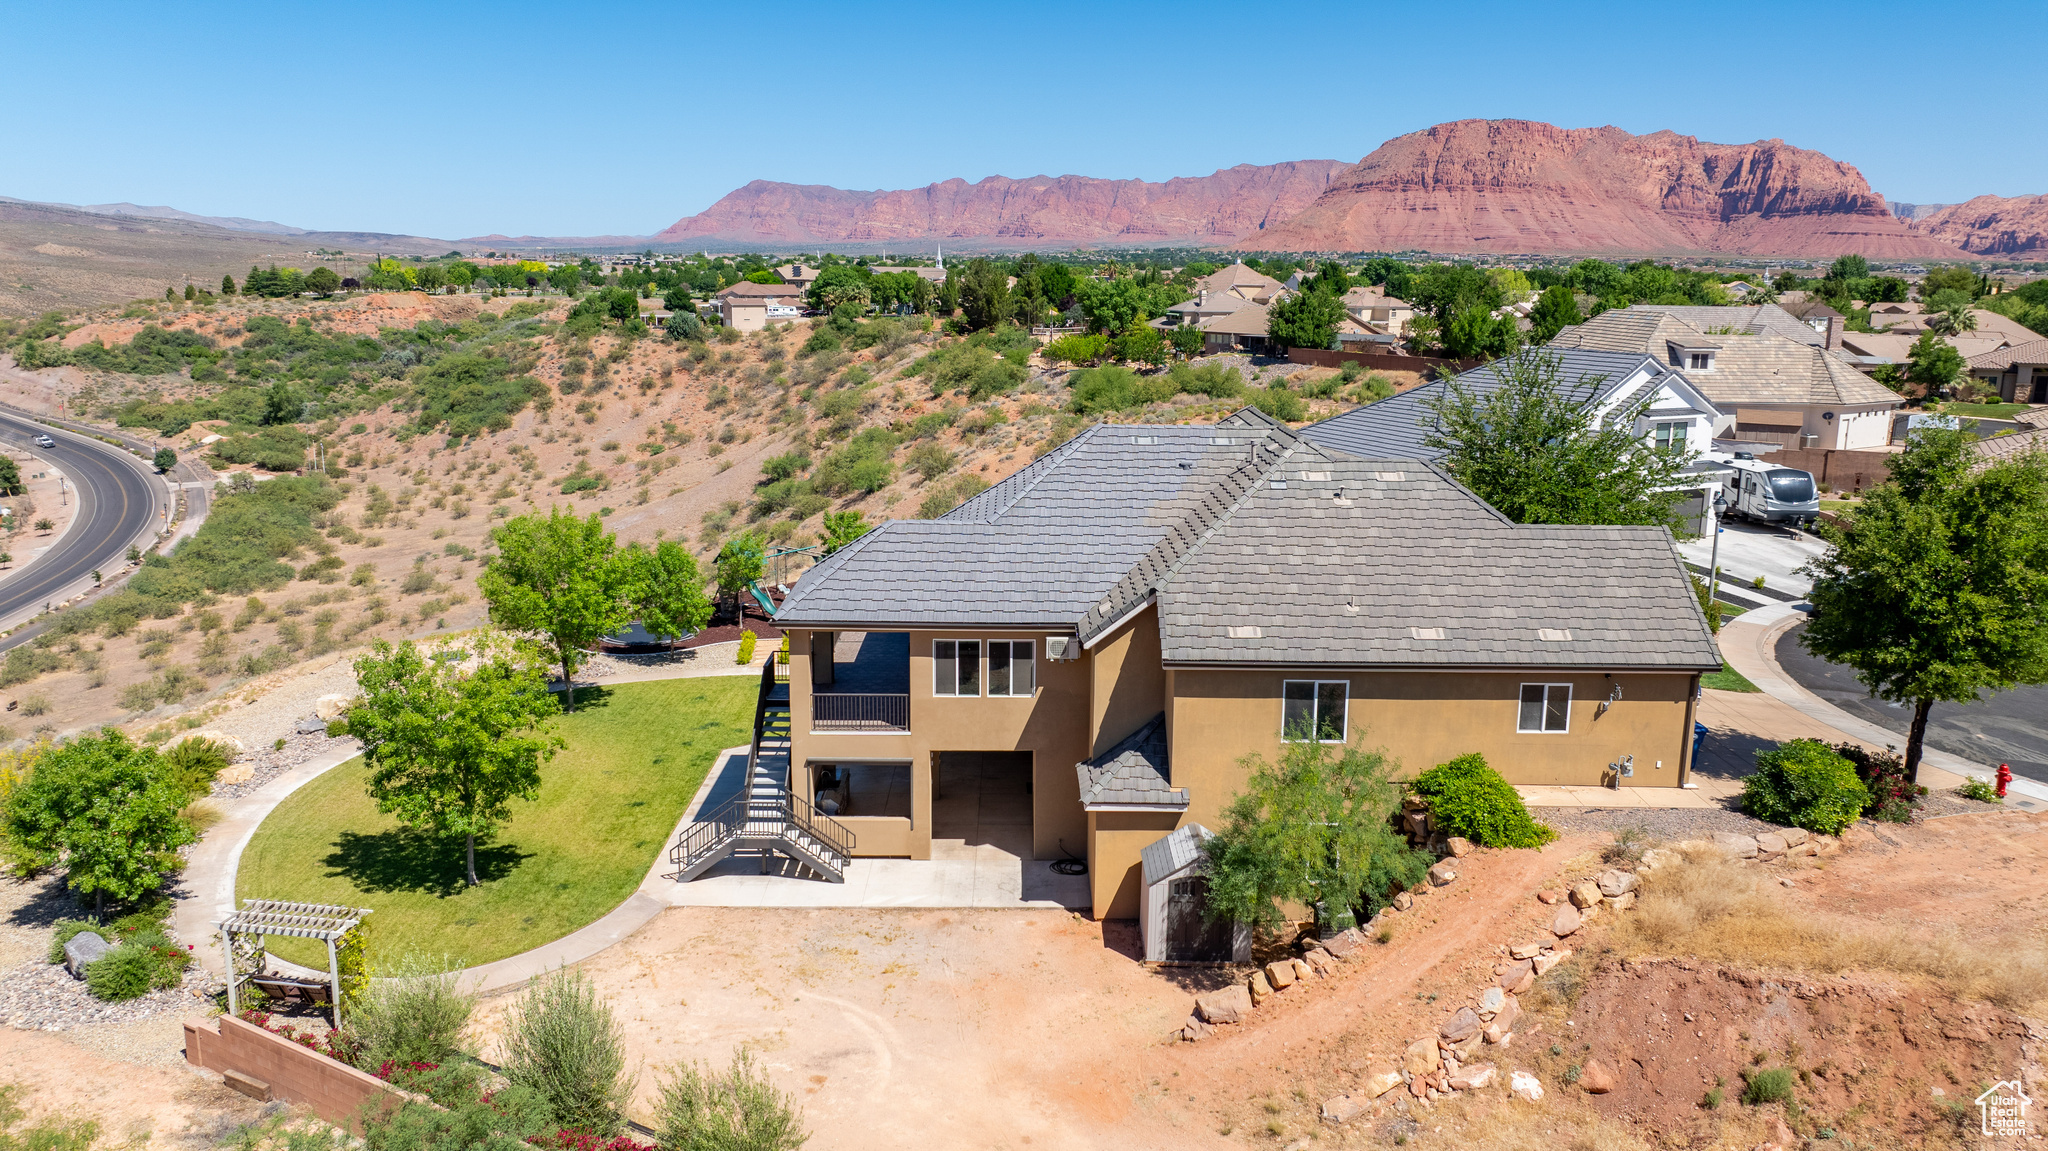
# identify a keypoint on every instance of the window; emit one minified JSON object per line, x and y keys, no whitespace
{"x":1010,"y":667}
{"x":1671,"y":436}
{"x":1699,"y":361}
{"x":1315,"y":709}
{"x":1546,"y":707}
{"x":956,"y":667}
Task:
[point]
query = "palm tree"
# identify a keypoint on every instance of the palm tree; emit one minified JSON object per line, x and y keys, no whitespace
{"x":1954,"y":321}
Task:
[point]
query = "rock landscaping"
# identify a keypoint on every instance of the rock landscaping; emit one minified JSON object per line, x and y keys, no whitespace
{"x":251,"y":771}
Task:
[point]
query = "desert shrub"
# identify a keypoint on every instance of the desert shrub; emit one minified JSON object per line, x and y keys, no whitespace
{"x":415,"y":1013}
{"x":1279,"y":403}
{"x":786,"y":466}
{"x":274,"y":449}
{"x":47,"y":1133}
{"x":562,"y":1042}
{"x":863,"y":464}
{"x":1977,"y":789}
{"x":1077,"y":349}
{"x":35,"y":704}
{"x":1766,"y":1086}
{"x":931,"y":461}
{"x":1114,"y":388}
{"x":1893,"y":795}
{"x":501,"y":1121}
{"x":738,"y":1109}
{"x":194,"y":763}
{"x":26,"y":662}
{"x":1469,"y":799}
{"x":943,"y":498}
{"x":1805,"y":783}
{"x":471,"y":393}
{"x":146,"y":961}
{"x":1212,"y":380}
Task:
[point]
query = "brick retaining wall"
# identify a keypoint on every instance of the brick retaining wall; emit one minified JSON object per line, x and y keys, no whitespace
{"x":332,"y":1090}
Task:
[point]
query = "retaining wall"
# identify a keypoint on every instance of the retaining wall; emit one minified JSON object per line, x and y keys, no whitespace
{"x":1323,"y":358}
{"x":334,"y":1091}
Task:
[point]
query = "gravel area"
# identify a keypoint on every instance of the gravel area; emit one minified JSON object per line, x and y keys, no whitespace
{"x":1670,"y":824}
{"x":269,"y":762}
{"x":36,"y":995}
{"x":274,"y":709}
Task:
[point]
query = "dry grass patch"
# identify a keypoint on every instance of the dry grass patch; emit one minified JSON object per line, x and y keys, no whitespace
{"x":1715,"y":909}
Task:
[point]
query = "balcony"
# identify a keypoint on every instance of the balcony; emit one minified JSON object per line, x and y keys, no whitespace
{"x":866,"y":688}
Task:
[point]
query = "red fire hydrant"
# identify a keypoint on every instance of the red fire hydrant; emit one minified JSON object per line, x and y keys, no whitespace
{"x":2004,"y":777}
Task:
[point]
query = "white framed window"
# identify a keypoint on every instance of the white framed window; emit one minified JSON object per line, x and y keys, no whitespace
{"x":1699,"y":362}
{"x":1314,"y":709}
{"x":1671,"y":435}
{"x":1546,"y":708}
{"x":956,"y":667}
{"x":1012,"y":668}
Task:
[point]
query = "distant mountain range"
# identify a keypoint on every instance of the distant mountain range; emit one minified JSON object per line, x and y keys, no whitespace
{"x":1469,"y":186}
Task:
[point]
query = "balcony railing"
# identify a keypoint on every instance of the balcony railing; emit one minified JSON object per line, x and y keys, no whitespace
{"x":848,"y":711}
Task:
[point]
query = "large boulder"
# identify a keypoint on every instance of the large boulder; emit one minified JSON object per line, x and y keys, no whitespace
{"x":1529,"y":950}
{"x":1585,"y":894}
{"x":1422,"y":1057}
{"x":1546,"y":962}
{"x":82,"y":949}
{"x":1403,"y":901}
{"x":1526,"y":1087}
{"x":1491,"y":1001}
{"x":1343,"y":943}
{"x":1473,"y":1078}
{"x":1260,"y":987}
{"x":1596,"y":1078}
{"x":1382,"y":1081}
{"x":1281,"y":974}
{"x":330,"y":706}
{"x":1460,"y":1027}
{"x":1622,"y":902}
{"x":1736,"y":846}
{"x":1459,"y":846}
{"x":1443,"y":872}
{"x":1232,"y":1004}
{"x":1613,"y":883}
{"x":1566,"y":921}
{"x":1344,"y":1108}
{"x":1504,"y":1020}
{"x":1793,"y":836}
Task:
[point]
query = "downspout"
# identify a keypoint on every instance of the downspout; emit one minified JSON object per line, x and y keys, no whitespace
{"x":1692,"y":703}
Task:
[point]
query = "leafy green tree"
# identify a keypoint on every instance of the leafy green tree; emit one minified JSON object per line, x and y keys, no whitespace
{"x":667,"y":589}
{"x":449,"y":747}
{"x":1476,"y":332}
{"x":281,"y":404}
{"x":1937,"y":586}
{"x":1312,"y":828}
{"x":763,"y":276}
{"x":621,"y":304}
{"x":984,"y":294}
{"x":1849,"y":268}
{"x":1187,"y":340}
{"x":568,"y":278}
{"x":1933,"y":362}
{"x":1953,"y":278}
{"x":324,"y":281}
{"x":1142,"y":343}
{"x":1111,"y":305}
{"x":740,"y":562}
{"x":1538,"y":450}
{"x":1306,"y":320}
{"x":106,"y":811}
{"x":1556,"y":309}
{"x":840,"y":284}
{"x":165,"y":459}
{"x":842,"y":528}
{"x":1330,"y":280}
{"x":557,"y":577}
{"x":10,"y":477}
{"x":678,"y":299}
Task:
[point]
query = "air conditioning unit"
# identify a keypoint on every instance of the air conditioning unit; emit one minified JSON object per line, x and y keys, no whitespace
{"x":1060,"y":647}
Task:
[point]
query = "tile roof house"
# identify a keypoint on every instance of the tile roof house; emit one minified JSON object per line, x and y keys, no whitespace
{"x":1120,"y":623}
{"x":1781,"y":390}
{"x":2018,"y":371}
{"x":1242,"y":282}
{"x":749,"y":307}
{"x":1378,"y":312}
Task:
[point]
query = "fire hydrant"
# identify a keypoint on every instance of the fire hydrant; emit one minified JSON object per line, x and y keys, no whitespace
{"x":2004,"y":777}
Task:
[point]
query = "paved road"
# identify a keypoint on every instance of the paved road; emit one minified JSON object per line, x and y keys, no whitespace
{"x":118,"y":500}
{"x":2010,"y":727}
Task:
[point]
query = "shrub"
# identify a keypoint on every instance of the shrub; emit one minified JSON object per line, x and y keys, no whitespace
{"x":1113,"y":388}
{"x":146,"y":962}
{"x":1978,"y":790}
{"x":747,"y":641}
{"x":562,"y":1042}
{"x":739,"y":1109}
{"x":1805,"y":783}
{"x":1892,"y":795}
{"x":501,"y":1121}
{"x":1772,"y":1086}
{"x":414,"y":1014}
{"x":194,"y":763}
{"x":35,"y":704}
{"x":1077,"y":349}
{"x":1279,"y":403}
{"x":1469,"y":799}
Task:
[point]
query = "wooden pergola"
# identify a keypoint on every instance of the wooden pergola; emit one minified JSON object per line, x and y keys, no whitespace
{"x":241,"y":940}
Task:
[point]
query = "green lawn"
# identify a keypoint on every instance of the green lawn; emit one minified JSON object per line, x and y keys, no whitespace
{"x":636,"y":755}
{"x":1727,"y":679}
{"x":1984,"y":411}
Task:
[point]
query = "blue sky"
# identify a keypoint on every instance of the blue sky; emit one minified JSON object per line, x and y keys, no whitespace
{"x":455,"y":120}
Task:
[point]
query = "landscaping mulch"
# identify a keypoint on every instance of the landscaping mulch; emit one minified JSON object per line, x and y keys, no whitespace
{"x":1671,"y":824}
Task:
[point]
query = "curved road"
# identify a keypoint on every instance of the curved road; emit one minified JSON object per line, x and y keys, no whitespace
{"x":119,"y":500}
{"x":2003,"y":727}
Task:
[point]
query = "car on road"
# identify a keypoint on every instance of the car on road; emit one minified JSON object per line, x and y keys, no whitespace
{"x":45,"y":442}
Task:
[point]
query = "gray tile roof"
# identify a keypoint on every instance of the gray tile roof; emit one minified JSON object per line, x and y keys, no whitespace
{"x":1134,"y":773}
{"x":1260,"y":547}
{"x":1169,"y":854}
{"x":1396,"y":426}
{"x":1751,"y":319}
{"x":1350,"y":568}
{"x":1758,"y":368}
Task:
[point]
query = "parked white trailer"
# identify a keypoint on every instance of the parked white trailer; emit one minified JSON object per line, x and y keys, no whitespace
{"x":1763,"y":492}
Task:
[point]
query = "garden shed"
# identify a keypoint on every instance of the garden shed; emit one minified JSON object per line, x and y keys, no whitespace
{"x":1171,"y":917}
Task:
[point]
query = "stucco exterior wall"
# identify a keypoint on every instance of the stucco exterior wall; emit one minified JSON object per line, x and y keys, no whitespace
{"x":1422,"y":719}
{"x":1052,"y":723}
{"x":1114,"y":870}
{"x":1127,"y":684}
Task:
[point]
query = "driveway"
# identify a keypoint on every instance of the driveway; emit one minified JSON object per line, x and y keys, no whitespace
{"x":1751,"y":550}
{"x":2009,"y":727}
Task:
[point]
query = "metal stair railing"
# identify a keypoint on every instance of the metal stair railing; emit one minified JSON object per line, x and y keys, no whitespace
{"x":828,"y":831}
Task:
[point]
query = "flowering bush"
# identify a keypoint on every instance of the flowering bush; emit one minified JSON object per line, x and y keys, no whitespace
{"x":1892,"y":796}
{"x":1805,"y":783}
{"x":571,"y":1140}
{"x":333,"y":1044}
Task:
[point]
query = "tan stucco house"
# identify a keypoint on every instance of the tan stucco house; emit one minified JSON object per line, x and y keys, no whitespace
{"x":1107,"y":634}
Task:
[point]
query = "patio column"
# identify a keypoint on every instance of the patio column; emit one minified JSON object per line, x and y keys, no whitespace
{"x":923,"y":769}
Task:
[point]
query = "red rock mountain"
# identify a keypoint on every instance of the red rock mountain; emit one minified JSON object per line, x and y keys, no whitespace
{"x":1041,"y":211}
{"x":1993,"y":225}
{"x":1519,"y":186}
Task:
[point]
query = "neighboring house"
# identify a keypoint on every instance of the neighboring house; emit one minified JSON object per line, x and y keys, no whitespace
{"x":1245,"y":329}
{"x":1378,"y":312}
{"x":1739,"y":289}
{"x":1744,"y":319}
{"x":1680,"y":417}
{"x":1204,"y":306}
{"x":1103,"y":637}
{"x":1780,"y":390}
{"x":798,"y":276}
{"x":749,"y":307}
{"x":937,"y":276}
{"x":1243,"y":282}
{"x":1823,"y":320}
{"x":2019,"y":372}
{"x":1882,"y":314}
